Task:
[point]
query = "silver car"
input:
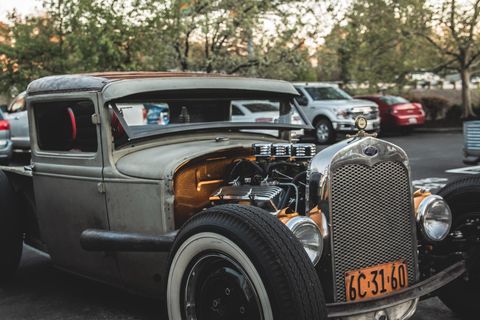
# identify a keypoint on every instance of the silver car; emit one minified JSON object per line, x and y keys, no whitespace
{"x":17,"y":116}
{"x":5,"y":142}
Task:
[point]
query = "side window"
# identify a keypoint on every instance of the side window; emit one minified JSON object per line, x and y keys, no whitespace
{"x":18,"y":104}
{"x":66,"y":126}
{"x":236,"y":111}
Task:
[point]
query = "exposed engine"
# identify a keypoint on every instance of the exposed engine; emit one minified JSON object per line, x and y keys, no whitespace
{"x":274,"y":181}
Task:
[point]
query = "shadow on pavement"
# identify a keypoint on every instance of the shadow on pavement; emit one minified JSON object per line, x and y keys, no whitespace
{"x":39,"y":291}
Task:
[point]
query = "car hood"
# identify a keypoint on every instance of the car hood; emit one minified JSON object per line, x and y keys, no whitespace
{"x":344,"y":104}
{"x":161,"y":162}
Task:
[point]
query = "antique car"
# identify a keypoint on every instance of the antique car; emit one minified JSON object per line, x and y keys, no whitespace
{"x":216,"y":220}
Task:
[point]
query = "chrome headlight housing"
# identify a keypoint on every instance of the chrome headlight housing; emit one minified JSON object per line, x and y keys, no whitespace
{"x":307,"y":232}
{"x":434,"y":218}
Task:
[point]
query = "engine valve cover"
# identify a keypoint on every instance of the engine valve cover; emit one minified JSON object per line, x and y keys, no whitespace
{"x":266,"y":197}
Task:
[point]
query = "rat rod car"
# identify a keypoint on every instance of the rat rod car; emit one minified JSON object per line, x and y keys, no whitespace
{"x":217,"y":217}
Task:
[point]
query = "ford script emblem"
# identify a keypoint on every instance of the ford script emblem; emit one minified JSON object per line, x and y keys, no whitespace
{"x":370,"y":151}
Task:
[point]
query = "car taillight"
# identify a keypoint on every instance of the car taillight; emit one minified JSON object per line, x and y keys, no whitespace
{"x":264,"y":120}
{"x":4,"y":125}
{"x":392,"y":110}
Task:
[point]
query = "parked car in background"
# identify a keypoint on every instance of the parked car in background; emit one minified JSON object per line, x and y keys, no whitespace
{"x":261,"y":111}
{"x":331,"y":110}
{"x":5,"y":142}
{"x":397,"y":113}
{"x":471,"y":136}
{"x":157,"y":114}
{"x":18,"y":118}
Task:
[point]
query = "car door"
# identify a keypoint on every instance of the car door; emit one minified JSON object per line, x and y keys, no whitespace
{"x":18,"y":118}
{"x":68,"y":181}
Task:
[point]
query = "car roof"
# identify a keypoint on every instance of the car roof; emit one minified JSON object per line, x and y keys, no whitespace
{"x":315,"y":84}
{"x":114,"y":85}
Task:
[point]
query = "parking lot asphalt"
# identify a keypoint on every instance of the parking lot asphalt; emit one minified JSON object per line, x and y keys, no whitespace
{"x":41,"y":292}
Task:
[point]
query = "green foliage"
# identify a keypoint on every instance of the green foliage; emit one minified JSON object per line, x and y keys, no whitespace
{"x":375,"y":44}
{"x":255,"y":38}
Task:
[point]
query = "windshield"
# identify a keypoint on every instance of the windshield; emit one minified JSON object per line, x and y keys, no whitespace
{"x":391,"y":100}
{"x":152,"y":117}
{"x":327,"y":93}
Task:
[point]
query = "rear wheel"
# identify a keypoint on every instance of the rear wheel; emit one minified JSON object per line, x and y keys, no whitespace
{"x":11,"y":237}
{"x":239,"y":262}
{"x":324,"y":133}
{"x":463,"y":295}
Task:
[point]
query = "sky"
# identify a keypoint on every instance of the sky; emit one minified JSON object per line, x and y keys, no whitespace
{"x":24,"y":7}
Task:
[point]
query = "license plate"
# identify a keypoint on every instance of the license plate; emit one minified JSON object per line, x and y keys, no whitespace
{"x":412,"y":120}
{"x":376,"y":281}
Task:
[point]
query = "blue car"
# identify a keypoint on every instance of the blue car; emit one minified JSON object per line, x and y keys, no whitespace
{"x":157,"y":114}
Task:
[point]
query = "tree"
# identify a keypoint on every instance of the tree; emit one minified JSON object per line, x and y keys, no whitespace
{"x":457,"y":39}
{"x":257,"y":38}
{"x":30,"y":50}
{"x":372,"y":44}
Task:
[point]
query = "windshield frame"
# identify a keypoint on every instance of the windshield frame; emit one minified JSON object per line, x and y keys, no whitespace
{"x":139,"y":134}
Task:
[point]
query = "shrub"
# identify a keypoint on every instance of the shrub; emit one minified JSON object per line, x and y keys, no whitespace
{"x":435,"y":107}
{"x":454,"y":113}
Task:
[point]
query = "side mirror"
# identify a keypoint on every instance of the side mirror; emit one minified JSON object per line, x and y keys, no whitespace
{"x":302,"y":100}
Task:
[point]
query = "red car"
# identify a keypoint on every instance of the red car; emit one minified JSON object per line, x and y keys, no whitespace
{"x":397,"y":112}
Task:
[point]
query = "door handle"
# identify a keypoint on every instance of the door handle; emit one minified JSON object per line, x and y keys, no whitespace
{"x":29,"y":168}
{"x":16,"y":118}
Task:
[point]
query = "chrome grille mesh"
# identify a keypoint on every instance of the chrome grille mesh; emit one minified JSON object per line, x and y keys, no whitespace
{"x":371,"y":219}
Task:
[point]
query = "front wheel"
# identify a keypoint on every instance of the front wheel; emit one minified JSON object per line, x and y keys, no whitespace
{"x":239,"y":262}
{"x":463,"y":295}
{"x":324,"y":133}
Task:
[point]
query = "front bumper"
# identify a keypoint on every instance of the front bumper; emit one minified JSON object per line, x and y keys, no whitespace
{"x":408,"y":120}
{"x":348,"y":125}
{"x":358,"y":310}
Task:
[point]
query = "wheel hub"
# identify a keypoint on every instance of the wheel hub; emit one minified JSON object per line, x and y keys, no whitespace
{"x":217,"y":288}
{"x":322,"y":132}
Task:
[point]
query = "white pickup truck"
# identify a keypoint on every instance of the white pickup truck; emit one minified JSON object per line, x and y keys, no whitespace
{"x":331,"y":110}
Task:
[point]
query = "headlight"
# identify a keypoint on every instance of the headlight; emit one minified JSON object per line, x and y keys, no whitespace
{"x":307,"y":232}
{"x":342,"y":114}
{"x":434,"y":218}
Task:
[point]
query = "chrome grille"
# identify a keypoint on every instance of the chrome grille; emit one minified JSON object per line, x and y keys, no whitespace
{"x":369,"y":113}
{"x":372,"y":220}
{"x":471,"y":131}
